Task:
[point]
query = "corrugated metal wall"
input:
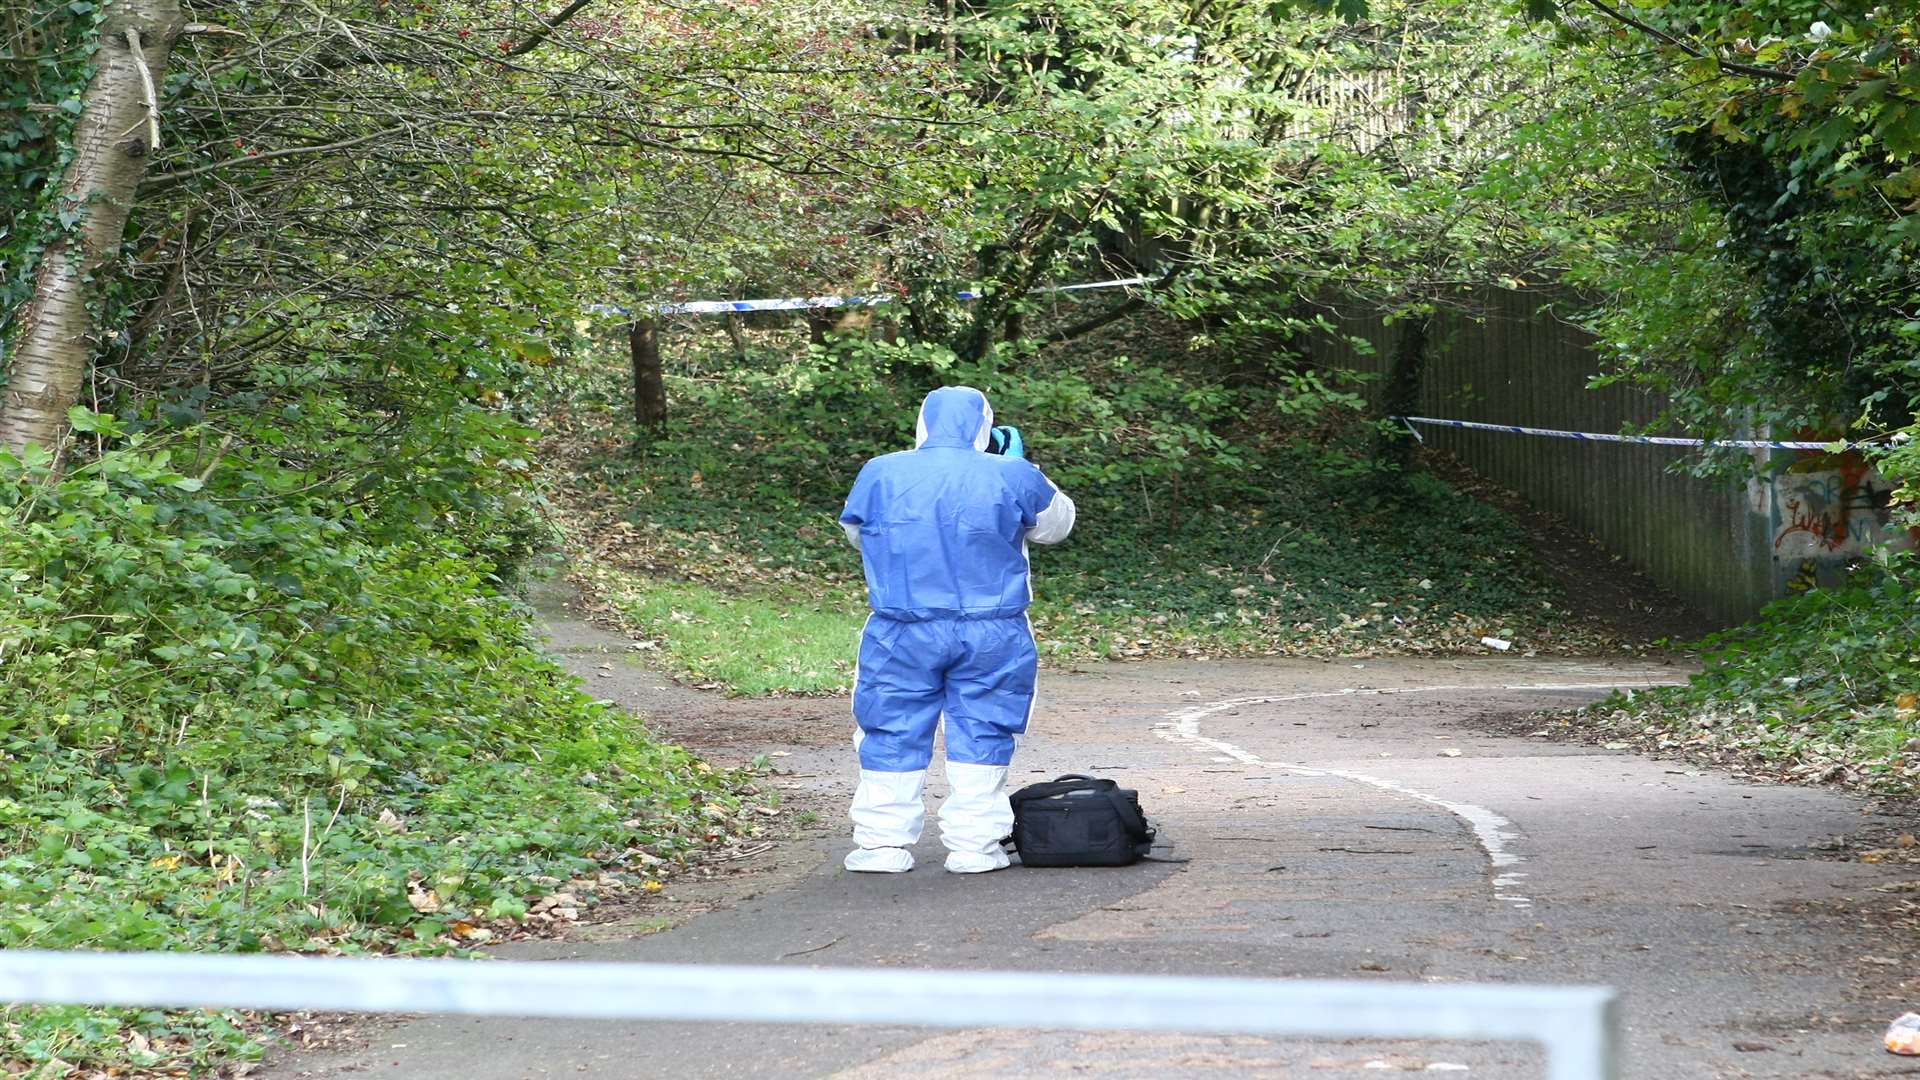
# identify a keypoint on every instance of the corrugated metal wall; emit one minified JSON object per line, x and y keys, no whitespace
{"x":1708,"y":543}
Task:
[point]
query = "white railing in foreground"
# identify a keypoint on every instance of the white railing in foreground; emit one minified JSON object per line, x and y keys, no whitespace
{"x":1576,"y":1025}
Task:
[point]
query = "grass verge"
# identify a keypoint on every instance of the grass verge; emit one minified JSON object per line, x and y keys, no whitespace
{"x":747,"y":643}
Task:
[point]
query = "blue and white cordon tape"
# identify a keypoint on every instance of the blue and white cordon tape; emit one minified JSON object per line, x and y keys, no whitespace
{"x":814,"y":303}
{"x":1834,"y":446}
{"x":807,"y":303}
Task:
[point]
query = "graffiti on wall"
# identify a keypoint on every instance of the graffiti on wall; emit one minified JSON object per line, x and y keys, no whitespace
{"x":1830,"y":514}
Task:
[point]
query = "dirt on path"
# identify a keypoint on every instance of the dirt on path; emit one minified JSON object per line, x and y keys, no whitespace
{"x":1343,"y":819}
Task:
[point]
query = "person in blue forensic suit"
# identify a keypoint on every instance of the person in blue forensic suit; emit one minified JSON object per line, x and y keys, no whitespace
{"x":943,"y":531}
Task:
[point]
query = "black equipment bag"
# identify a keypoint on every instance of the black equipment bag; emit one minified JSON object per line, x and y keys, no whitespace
{"x":1079,"y":821}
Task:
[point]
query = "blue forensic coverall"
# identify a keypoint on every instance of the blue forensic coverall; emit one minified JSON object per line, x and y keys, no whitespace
{"x":943,"y":531}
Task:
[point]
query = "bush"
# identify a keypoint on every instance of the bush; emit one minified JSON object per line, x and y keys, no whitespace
{"x":231,"y":721}
{"x":1825,"y":683}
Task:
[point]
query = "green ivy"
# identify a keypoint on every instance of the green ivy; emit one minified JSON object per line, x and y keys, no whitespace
{"x":44,"y":71}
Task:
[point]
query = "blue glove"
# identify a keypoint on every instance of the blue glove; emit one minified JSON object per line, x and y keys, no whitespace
{"x":1006,"y":440}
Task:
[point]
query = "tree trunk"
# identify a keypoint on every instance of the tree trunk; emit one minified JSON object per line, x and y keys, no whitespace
{"x":817,"y":325}
{"x":649,"y":377}
{"x":737,"y":337}
{"x":1012,"y":269}
{"x":982,"y":332}
{"x":112,"y":142}
{"x":824,"y":324}
{"x":1401,"y":395}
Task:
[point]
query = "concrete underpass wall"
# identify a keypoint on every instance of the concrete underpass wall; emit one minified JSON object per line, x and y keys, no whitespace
{"x":1711,"y":544}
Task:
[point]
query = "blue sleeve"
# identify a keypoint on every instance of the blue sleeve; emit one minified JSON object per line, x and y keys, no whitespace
{"x":1034,"y":492}
{"x":855,"y":512}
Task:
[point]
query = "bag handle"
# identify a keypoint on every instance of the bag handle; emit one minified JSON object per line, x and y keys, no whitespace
{"x":1063,"y":786}
{"x":1130,"y":816}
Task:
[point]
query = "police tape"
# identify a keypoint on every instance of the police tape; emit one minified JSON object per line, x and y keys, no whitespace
{"x":1834,"y":446}
{"x":1577,"y":1026}
{"x":810,"y":303}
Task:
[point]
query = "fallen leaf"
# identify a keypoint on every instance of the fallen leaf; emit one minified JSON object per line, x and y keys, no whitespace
{"x":461,"y":928}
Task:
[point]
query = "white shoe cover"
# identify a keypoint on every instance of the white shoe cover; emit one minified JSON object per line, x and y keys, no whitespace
{"x":879,"y":860}
{"x":888,"y":811}
{"x":974,"y":862}
{"x":975,"y":817}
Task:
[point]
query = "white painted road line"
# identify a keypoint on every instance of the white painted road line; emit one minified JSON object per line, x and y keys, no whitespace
{"x":1497,"y":836}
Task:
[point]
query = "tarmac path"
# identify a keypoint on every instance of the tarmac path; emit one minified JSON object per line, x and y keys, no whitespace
{"x":1345,"y":819}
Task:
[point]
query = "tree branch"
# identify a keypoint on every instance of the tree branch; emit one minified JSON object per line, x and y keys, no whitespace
{"x":152,"y":99}
{"x":1111,"y":315}
{"x":1087,"y":326}
{"x":289,"y":151}
{"x":1773,"y":74}
{"x":537,"y":37}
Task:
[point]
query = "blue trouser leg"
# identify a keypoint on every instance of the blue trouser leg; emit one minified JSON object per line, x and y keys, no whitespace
{"x":899,"y":691}
{"x":989,"y":700}
{"x":896,"y":703}
{"x":990,"y":690}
